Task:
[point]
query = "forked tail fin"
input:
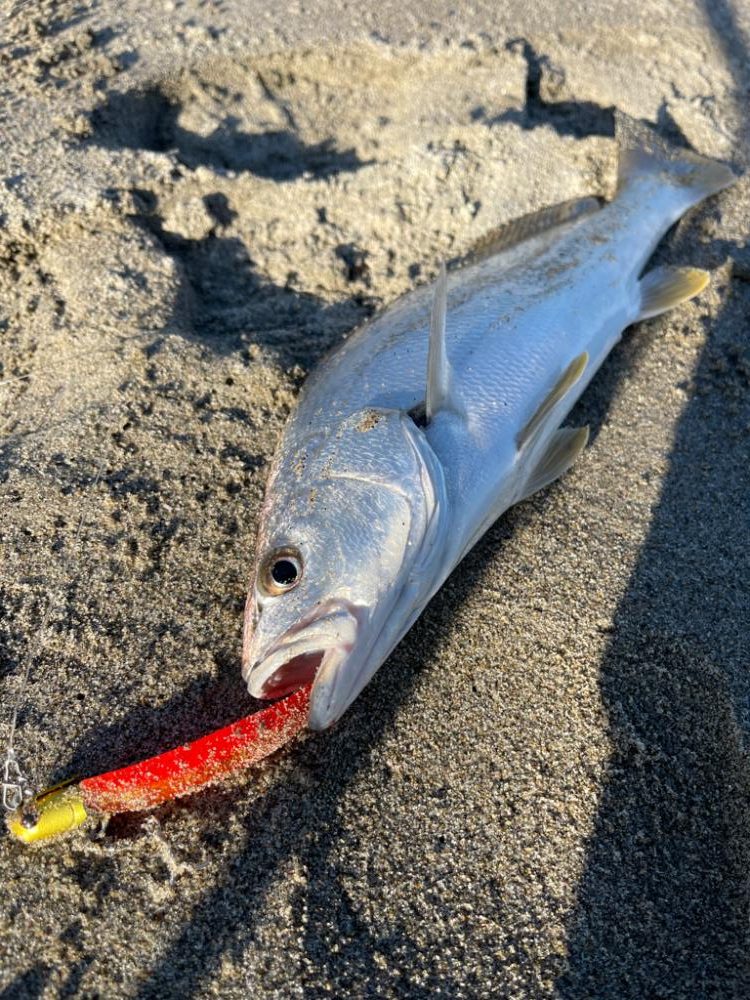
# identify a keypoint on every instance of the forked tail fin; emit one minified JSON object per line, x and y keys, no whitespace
{"x":643,"y":152}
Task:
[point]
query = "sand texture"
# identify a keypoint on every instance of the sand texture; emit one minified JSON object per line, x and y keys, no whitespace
{"x":546,"y":791}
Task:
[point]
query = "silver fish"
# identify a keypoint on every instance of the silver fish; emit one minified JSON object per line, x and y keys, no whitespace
{"x":439,"y":414}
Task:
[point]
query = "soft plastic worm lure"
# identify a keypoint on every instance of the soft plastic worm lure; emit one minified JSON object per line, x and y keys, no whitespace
{"x":181,"y":771}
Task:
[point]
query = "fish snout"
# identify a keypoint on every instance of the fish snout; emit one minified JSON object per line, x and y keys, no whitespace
{"x":295,"y":659}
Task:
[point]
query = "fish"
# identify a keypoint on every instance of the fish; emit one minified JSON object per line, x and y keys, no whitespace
{"x":440,"y":413}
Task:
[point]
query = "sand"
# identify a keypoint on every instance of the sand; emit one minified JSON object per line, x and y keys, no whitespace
{"x":544,"y":792}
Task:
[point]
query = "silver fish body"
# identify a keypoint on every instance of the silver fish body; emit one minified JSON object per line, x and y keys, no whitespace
{"x":367,"y":512}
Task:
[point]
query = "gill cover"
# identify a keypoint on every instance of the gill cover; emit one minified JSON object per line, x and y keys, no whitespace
{"x":364,"y":505}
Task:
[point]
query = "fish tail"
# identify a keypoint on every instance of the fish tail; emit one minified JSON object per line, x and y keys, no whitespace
{"x":644,"y":153}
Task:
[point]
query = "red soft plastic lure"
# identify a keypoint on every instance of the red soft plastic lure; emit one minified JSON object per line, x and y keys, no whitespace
{"x":177,"y":772}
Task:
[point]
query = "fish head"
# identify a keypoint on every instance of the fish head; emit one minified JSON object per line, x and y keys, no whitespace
{"x":348,"y":547}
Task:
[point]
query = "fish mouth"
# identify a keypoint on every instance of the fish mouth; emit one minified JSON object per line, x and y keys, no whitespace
{"x":320,"y":643}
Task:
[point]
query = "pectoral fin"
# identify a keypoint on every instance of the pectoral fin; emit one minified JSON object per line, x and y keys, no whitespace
{"x":563,"y":450}
{"x":666,"y":287}
{"x":440,"y":394}
{"x":556,"y":394}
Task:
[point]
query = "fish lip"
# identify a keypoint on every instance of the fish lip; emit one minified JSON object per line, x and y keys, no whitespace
{"x":331,"y":631}
{"x":332,"y":693}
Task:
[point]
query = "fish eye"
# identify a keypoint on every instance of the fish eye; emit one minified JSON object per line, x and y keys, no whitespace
{"x":280,"y":571}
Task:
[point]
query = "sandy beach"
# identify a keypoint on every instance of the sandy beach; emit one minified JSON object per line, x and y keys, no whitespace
{"x":545,"y":792}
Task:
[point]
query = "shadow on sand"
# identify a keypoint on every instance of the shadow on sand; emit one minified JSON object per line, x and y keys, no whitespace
{"x":664,"y":900}
{"x":150,"y":119}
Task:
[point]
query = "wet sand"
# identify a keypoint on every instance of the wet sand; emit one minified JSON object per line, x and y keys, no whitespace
{"x":544,"y":792}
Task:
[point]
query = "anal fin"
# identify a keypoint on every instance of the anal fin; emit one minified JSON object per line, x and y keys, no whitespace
{"x":556,"y":394}
{"x":666,"y":287}
{"x":563,"y":450}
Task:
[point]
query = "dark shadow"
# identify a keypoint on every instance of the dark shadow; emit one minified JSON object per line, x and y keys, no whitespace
{"x":11,"y":635}
{"x":49,"y":26}
{"x":76,"y":973}
{"x":149,"y":119}
{"x":566,"y":117}
{"x":30,"y":985}
{"x":354,"y":260}
{"x":78,"y":14}
{"x":735,"y":44}
{"x":228,"y":305}
{"x":664,"y":901}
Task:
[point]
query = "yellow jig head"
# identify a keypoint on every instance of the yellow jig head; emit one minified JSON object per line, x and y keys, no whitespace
{"x":58,"y":810}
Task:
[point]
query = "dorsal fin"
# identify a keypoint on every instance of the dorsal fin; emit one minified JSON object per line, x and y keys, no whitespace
{"x":439,"y":394}
{"x":517,"y":231}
